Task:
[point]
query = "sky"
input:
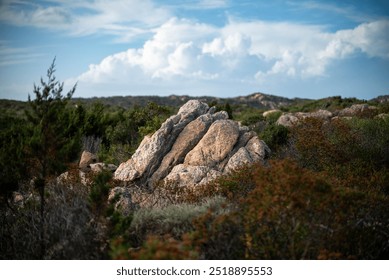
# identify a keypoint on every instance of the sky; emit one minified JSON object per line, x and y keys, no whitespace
{"x":225,"y":48}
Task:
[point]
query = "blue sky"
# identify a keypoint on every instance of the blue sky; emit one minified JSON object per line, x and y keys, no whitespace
{"x":225,"y":48}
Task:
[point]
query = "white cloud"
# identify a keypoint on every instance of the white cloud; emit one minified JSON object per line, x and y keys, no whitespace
{"x":16,"y":55}
{"x":174,"y":50}
{"x":181,"y":51}
{"x":210,"y":4}
{"x":340,"y":8}
{"x":123,"y":18}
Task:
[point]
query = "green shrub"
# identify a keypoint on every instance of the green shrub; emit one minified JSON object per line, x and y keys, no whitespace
{"x":275,"y":136}
{"x":165,"y":248}
{"x":71,"y":230}
{"x":175,"y":219}
{"x":355,"y":151}
{"x":251,"y":117}
{"x":273,"y":117}
{"x":98,"y":195}
{"x":296,"y":213}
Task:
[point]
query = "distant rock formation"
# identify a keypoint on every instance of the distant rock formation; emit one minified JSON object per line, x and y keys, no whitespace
{"x":191,"y":148}
{"x":357,"y":109}
{"x":292,"y":119}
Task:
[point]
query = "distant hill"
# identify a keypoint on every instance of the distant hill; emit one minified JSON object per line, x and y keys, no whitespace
{"x":255,"y":100}
{"x":381,"y":99}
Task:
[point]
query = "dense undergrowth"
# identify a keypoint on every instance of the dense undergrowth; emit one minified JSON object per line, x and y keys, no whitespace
{"x":322,"y":195}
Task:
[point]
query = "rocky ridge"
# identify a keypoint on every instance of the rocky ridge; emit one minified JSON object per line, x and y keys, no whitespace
{"x":191,"y":148}
{"x":291,"y":119}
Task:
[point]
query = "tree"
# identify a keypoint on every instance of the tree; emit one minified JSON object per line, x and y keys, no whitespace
{"x":12,"y":155}
{"x":53,"y":138}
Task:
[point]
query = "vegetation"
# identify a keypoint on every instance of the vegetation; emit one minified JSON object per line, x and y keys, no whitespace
{"x":322,"y":195}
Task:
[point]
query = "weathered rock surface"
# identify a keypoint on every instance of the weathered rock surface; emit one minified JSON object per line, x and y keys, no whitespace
{"x":291,"y":119}
{"x":356,"y":109}
{"x":86,"y":159}
{"x":193,"y":147}
{"x":121,"y":199}
{"x":100,"y":166}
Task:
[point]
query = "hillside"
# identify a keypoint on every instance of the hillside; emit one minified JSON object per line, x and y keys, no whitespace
{"x":255,"y":100}
{"x":195,"y":182}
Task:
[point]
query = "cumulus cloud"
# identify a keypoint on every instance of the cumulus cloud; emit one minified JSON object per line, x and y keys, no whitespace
{"x":182,"y":50}
{"x":174,"y":50}
{"x":178,"y":51}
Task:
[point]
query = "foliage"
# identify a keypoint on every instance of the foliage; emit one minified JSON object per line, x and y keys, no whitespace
{"x":353,"y":151}
{"x":330,"y":103}
{"x":165,"y":248}
{"x":125,"y":130}
{"x":53,"y":140}
{"x":13,"y":167}
{"x":71,"y":231}
{"x":275,"y":136}
{"x":272,"y":117}
{"x":295,"y":213}
{"x":222,"y":107}
{"x":328,"y":201}
{"x":250,"y":117}
{"x":174,"y":220}
{"x":98,"y":195}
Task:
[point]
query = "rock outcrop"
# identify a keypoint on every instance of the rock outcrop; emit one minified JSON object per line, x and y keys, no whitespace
{"x":357,"y":109}
{"x":192,"y":147}
{"x":292,"y":119}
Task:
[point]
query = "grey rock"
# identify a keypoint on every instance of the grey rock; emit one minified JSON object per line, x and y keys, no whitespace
{"x":86,"y":159}
{"x":355,"y":110}
{"x":292,"y":119}
{"x":191,"y":148}
{"x":184,"y":175}
{"x":186,"y":141}
{"x":72,"y":178}
{"x":152,"y":149}
{"x":215,"y":145}
{"x":100,"y":166}
{"x":121,"y":198}
{"x":287,"y":120}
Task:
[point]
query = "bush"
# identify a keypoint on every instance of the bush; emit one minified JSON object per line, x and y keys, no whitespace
{"x":98,"y":195}
{"x":13,"y":163}
{"x":165,"y":248}
{"x":71,"y":232}
{"x":355,"y":151}
{"x":275,"y":136}
{"x":174,"y":221}
{"x":296,"y":213}
{"x":273,"y":117}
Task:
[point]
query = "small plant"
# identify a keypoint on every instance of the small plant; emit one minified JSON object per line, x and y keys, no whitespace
{"x":98,"y":195}
{"x":275,"y":136}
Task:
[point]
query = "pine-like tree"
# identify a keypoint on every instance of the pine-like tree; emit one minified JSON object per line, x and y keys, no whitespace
{"x":54,"y":140}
